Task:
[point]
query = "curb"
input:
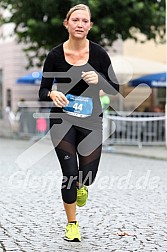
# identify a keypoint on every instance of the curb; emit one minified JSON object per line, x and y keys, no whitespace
{"x":119,"y":152}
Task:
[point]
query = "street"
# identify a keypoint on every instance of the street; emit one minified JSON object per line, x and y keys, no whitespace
{"x":126,"y":209}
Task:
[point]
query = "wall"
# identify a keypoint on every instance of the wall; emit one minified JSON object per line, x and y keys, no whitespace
{"x":149,"y":51}
{"x":13,"y":64}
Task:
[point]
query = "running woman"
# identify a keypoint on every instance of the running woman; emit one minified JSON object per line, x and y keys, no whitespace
{"x":81,"y":68}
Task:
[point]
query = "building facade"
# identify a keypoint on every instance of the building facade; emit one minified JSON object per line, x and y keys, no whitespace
{"x":13,"y":64}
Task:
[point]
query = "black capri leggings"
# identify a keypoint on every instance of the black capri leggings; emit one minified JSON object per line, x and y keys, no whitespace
{"x":78,"y":150}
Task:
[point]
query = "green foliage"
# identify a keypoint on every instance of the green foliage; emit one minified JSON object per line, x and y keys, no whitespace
{"x":39,"y":23}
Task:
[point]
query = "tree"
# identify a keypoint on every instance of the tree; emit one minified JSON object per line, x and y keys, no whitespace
{"x":39,"y":23}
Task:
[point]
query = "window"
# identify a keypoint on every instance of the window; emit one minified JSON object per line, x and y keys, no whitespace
{"x":161,"y":98}
{"x":8,"y":98}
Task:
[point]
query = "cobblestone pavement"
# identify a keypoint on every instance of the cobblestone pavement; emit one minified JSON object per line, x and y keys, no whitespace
{"x":126,"y":210}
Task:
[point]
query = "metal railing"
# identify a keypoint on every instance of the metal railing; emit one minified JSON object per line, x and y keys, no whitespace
{"x":23,"y":124}
{"x":140,"y":128}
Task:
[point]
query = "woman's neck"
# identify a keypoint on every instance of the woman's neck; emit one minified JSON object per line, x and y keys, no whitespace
{"x":78,"y":45}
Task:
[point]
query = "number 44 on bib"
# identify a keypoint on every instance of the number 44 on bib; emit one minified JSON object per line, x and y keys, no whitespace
{"x":80,"y":106}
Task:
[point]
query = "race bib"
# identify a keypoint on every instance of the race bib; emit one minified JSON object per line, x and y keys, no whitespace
{"x":79,"y":106}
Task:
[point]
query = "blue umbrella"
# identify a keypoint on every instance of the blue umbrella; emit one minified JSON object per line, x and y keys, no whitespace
{"x":153,"y":80}
{"x":33,"y":78}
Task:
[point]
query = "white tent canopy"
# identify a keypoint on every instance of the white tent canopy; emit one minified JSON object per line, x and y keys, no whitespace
{"x":127,"y":67}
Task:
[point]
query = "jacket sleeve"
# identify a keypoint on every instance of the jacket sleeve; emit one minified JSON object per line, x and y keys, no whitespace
{"x":47,"y":83}
{"x":107,"y":78}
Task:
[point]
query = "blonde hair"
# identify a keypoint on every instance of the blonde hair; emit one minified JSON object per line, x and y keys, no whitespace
{"x":77,"y":7}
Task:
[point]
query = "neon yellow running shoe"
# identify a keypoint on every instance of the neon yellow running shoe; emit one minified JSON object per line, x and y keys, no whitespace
{"x":82,"y":195}
{"x":72,"y":233}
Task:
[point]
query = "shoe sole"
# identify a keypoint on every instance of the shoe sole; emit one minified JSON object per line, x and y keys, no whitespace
{"x":81,"y":205}
{"x":74,"y":240}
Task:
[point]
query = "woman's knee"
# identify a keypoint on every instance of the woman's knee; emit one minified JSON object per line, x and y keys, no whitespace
{"x":69,"y":190}
{"x":69,"y":182}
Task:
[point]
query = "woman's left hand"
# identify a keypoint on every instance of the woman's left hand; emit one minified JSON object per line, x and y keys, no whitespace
{"x":90,"y":77}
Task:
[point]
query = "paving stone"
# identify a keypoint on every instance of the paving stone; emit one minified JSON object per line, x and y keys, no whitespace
{"x":129,"y":196}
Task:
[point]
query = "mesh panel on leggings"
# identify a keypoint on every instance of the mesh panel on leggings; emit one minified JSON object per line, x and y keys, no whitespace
{"x":76,"y":166}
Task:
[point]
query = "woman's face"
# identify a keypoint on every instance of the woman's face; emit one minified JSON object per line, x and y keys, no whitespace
{"x":79,"y":24}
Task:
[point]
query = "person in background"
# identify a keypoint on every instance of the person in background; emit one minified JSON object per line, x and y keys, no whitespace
{"x":105,"y":100}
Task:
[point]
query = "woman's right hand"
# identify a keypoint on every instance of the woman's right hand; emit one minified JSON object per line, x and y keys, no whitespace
{"x":59,"y":99}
